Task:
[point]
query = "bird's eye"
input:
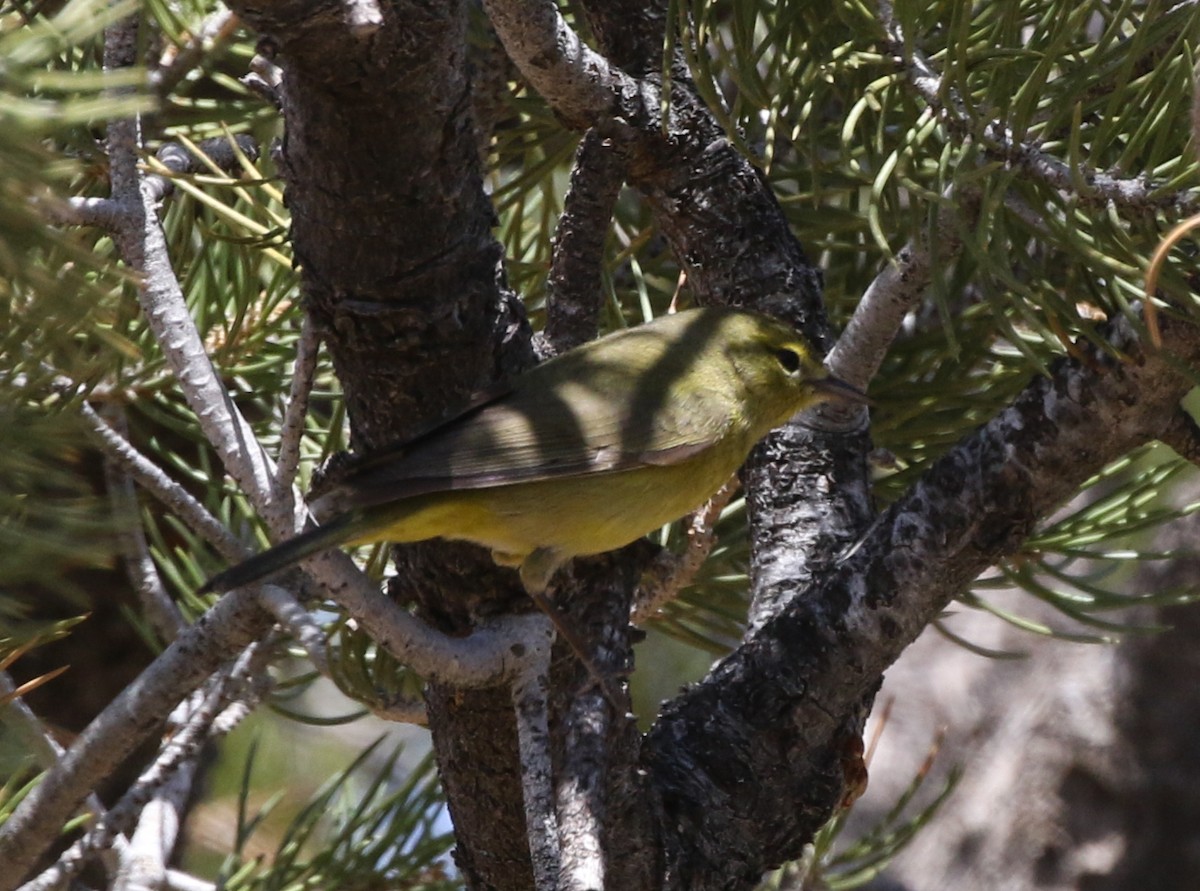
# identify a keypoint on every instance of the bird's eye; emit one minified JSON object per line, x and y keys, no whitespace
{"x":789,"y":360}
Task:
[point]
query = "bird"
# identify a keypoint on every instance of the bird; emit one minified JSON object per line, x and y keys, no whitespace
{"x":581,"y":454}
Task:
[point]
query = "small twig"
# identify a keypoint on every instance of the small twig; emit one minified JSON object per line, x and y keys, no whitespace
{"x":217,"y":29}
{"x":296,"y":620}
{"x":670,"y":573}
{"x":530,"y":692}
{"x":157,"y":604}
{"x":152,"y":478}
{"x":292,"y":428}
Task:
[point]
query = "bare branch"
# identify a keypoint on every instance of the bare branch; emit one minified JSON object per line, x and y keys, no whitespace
{"x":530,"y":693}
{"x":233,"y":623}
{"x":216,"y":30}
{"x":143,"y":245}
{"x":157,"y":604}
{"x":292,"y":429}
{"x":155,"y":481}
{"x":577,"y":81}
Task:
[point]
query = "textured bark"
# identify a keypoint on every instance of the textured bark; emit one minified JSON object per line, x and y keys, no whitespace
{"x":574,"y":289}
{"x":391,"y":227}
{"x":774,"y":710}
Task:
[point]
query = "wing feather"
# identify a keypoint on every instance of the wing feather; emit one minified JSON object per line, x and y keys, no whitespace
{"x":587,"y":411}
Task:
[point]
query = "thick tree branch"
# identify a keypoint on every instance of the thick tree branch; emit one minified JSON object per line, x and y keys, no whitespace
{"x":574,"y":289}
{"x":813,"y":664}
{"x":392,"y":230}
{"x":723,"y":223}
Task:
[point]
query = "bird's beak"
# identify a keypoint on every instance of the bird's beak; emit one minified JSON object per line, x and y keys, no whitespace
{"x":837,"y":390}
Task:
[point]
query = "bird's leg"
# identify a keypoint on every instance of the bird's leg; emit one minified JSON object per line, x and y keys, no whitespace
{"x":536,"y":571}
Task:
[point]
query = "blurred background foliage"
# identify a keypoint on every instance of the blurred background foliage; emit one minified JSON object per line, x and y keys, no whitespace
{"x":860,"y":161}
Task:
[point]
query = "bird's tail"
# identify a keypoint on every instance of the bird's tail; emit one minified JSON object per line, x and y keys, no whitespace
{"x":283,"y":555}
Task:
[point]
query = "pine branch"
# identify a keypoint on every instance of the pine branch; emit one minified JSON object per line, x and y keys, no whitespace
{"x":1088,"y":183}
{"x":292,"y":429}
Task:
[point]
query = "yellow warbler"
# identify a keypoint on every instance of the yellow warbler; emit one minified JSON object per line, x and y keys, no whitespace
{"x":584,"y":453}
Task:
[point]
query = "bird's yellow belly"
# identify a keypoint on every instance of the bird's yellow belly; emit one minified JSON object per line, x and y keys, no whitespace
{"x":588,"y":514}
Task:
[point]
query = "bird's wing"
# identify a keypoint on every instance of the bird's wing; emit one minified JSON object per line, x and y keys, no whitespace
{"x":565,"y":421}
